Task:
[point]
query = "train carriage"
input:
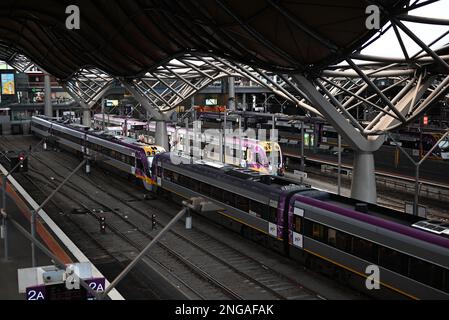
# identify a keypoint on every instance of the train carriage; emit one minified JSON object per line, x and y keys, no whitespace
{"x":335,"y":235}
{"x":338,"y":236}
{"x":124,"y":154}
{"x":258,"y":155}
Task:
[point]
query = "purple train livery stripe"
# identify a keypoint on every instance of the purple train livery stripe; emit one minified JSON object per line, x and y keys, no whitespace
{"x":388,"y":225}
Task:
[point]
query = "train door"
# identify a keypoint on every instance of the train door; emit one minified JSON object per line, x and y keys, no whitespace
{"x":244,"y":163}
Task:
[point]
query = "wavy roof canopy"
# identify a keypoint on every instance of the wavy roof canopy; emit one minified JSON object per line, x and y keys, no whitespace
{"x":129,"y":37}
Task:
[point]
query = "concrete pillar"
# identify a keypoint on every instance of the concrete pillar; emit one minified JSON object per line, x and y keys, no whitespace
{"x":231,"y":89}
{"x":162,"y":135}
{"x":192,"y":106}
{"x":364,"y":178}
{"x":87,"y":117}
{"x":244,"y":104}
{"x":48,"y":106}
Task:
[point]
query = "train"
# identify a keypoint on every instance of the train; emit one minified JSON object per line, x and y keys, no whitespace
{"x":258,"y":155}
{"x":337,"y":236}
{"x":125,"y":154}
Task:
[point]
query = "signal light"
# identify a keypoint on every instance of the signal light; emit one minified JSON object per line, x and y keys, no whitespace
{"x":154,"y":222}
{"x":103,"y":225}
{"x":20,"y":162}
{"x":426,"y":120}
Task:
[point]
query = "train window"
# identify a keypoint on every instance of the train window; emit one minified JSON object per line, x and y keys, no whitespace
{"x":318,"y":232}
{"x":332,"y":237}
{"x":229,"y":198}
{"x":139,"y":164}
{"x":420,"y":270}
{"x":446,"y":281}
{"x":308,"y":228}
{"x":393,"y":260}
{"x":365,"y":250}
{"x":259,"y":159}
{"x":183,"y":181}
{"x":273,"y":218}
{"x":297,"y":224}
{"x":265,"y":213}
{"x":194,"y":185}
{"x":168,"y":175}
{"x":205,"y":189}
{"x":437,"y":277}
{"x":256,"y":208}
{"x":191,"y":184}
{"x":242,"y":203}
{"x":216,"y":193}
{"x":344,"y":242}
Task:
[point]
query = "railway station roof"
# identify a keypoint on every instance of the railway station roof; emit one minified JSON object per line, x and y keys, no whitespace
{"x":130,"y":37}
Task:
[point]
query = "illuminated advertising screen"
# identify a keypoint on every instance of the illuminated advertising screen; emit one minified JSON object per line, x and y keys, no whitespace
{"x":211,"y":102}
{"x":8,"y":84}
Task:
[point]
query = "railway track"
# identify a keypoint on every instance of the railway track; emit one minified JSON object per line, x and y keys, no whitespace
{"x":232,"y":263}
{"x":230,"y":267}
{"x":121,"y":228}
{"x":229,"y":253}
{"x":138,"y":238}
{"x":108,"y":259}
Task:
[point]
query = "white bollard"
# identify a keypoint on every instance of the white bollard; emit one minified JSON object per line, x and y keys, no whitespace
{"x":189,"y":223}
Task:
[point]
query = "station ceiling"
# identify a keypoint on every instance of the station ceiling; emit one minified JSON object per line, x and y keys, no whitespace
{"x":130,"y":37}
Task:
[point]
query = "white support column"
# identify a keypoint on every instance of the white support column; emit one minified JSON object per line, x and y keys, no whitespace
{"x":231,"y":91}
{"x":364,"y":186}
{"x":87,"y":117}
{"x":364,"y":174}
{"x":160,"y":118}
{"x":162,"y":135}
{"x":87,"y":105}
{"x":48,"y":105}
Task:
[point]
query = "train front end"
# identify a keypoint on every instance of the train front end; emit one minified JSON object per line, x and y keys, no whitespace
{"x":269,"y":158}
{"x":151,"y":151}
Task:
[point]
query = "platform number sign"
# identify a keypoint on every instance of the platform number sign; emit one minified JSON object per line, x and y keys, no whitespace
{"x":36,"y":294}
{"x":60,"y":292}
{"x":97,"y":285}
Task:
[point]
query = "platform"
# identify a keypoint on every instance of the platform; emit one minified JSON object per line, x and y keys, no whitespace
{"x":18,"y":204}
{"x":19,"y":256}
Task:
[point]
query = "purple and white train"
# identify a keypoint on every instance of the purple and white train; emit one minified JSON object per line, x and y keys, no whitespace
{"x":338,"y":236}
{"x":124,"y":154}
{"x":258,"y":155}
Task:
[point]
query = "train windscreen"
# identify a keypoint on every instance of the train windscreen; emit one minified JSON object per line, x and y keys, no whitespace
{"x":444,"y":149}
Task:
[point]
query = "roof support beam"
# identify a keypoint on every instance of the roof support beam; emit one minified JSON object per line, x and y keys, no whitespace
{"x":156,"y":114}
{"x":350,"y":134}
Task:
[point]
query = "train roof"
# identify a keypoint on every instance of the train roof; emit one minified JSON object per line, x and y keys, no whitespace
{"x":246,"y":180}
{"x":412,"y":226}
{"x":123,"y":141}
{"x":120,"y":119}
{"x":239,"y":178}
